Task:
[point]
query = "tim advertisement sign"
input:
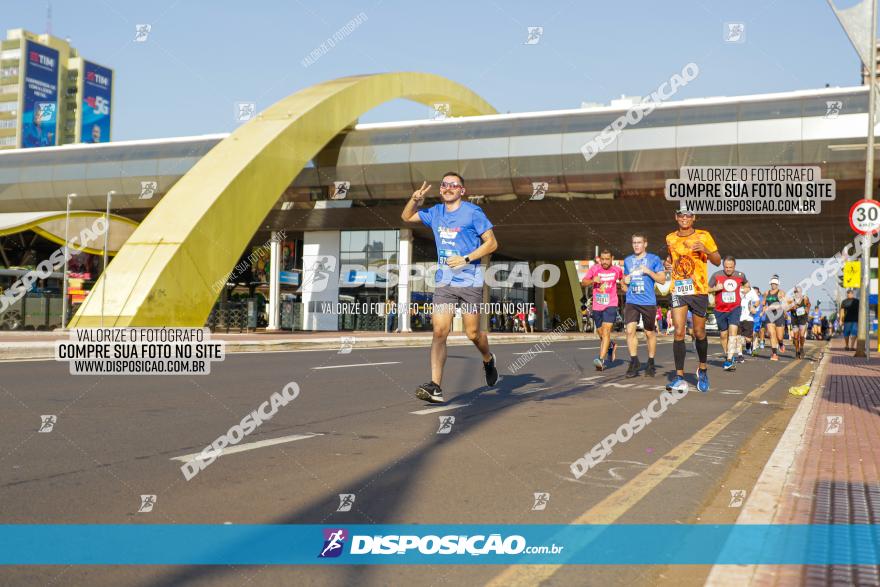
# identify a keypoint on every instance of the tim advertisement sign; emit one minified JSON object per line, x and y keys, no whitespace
{"x":39,"y":116}
{"x":96,"y":90}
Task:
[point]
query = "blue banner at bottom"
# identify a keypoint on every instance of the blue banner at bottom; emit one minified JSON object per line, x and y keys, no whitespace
{"x":494,"y":544}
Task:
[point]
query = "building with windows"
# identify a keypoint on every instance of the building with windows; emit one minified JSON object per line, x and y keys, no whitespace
{"x":49,"y":95}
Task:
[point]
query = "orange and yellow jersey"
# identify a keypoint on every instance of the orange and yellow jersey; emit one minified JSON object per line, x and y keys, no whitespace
{"x":690,"y":265}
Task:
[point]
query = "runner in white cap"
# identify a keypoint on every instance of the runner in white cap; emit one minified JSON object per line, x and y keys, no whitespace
{"x":774,"y":308}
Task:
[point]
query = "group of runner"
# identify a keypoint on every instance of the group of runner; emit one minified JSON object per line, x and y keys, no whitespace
{"x":741,"y":312}
{"x":463,"y":235}
{"x":763,"y":324}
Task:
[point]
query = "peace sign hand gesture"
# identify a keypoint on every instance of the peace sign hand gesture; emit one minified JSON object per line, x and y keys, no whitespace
{"x":419,"y":195}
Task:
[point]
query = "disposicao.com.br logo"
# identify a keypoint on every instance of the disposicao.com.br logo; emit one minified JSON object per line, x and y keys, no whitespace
{"x":452,"y":544}
{"x":334,"y":542}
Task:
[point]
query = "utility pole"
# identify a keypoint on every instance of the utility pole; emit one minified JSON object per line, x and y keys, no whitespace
{"x":860,"y":24}
{"x":865,"y":285}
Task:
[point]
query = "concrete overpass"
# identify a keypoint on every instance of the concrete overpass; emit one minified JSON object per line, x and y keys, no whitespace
{"x":589,"y":203}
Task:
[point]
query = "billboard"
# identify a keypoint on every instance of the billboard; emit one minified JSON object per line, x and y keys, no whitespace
{"x":260,"y":265}
{"x":288,"y":256}
{"x":288,"y":274}
{"x":97,"y":86}
{"x":39,"y":114}
{"x":288,"y":278}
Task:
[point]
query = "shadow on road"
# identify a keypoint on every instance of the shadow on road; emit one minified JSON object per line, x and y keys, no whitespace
{"x":386,"y":487}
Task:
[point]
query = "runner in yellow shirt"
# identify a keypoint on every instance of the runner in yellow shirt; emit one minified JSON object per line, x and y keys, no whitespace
{"x":689,"y":251}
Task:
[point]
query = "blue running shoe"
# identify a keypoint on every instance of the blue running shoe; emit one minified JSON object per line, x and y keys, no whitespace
{"x":729,"y":365}
{"x":610,"y":356}
{"x":677,"y":384}
{"x":702,"y":380}
{"x":599,"y":363}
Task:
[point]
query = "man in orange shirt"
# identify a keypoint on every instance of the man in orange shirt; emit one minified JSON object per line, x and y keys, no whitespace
{"x":689,"y":251}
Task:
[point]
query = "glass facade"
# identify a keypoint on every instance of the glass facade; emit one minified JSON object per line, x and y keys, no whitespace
{"x":422,"y":291}
{"x":362,"y":255}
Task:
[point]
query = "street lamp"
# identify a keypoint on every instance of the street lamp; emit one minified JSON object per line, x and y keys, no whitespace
{"x":64,"y":298}
{"x":110,"y":195}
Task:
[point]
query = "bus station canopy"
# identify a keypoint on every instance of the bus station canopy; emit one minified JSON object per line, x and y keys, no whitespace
{"x":51,"y":225}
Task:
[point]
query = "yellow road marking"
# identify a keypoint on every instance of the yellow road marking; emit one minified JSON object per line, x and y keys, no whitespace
{"x":618,"y":503}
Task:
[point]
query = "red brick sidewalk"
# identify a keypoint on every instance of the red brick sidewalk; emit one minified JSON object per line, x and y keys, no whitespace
{"x":835,"y":478}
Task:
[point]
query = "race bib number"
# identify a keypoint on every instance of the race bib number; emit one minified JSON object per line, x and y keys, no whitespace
{"x":800,"y":311}
{"x":603,"y":299}
{"x":684,"y":287}
{"x":445,"y":254}
{"x":728,"y":297}
{"x":637,"y":287}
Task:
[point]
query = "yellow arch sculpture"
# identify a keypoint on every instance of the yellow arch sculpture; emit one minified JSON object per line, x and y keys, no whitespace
{"x":196,"y":233}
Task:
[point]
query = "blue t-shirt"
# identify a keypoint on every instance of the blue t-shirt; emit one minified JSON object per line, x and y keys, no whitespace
{"x":457,"y":234}
{"x":759,"y":311}
{"x":641,"y":286}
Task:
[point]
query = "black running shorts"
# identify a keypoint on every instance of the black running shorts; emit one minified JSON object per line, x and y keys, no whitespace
{"x":631,"y":313}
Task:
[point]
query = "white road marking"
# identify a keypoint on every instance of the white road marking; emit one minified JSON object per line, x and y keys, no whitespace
{"x":614,"y":475}
{"x":438,"y":409}
{"x":528,"y":391}
{"x":357,"y":365}
{"x":642,"y":386}
{"x":249,"y":446}
{"x":533,"y":352}
{"x":593,"y":378}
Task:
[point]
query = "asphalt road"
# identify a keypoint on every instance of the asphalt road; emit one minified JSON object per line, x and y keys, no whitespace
{"x":359,"y":430}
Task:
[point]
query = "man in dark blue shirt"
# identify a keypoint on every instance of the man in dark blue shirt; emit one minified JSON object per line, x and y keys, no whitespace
{"x":463,"y":235}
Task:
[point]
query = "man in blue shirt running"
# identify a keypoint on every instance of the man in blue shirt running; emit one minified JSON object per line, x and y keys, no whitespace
{"x":641,"y":270}
{"x":463,"y":235}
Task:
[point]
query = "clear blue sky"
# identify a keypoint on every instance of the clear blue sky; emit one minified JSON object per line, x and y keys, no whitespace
{"x":202,"y":56}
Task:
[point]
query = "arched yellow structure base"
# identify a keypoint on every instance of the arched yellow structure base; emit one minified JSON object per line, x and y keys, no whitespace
{"x":197,"y":232}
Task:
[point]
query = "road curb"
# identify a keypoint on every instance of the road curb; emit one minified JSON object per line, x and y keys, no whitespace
{"x":775,"y":480}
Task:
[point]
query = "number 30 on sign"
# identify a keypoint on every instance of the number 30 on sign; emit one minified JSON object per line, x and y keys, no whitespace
{"x":864,"y":216}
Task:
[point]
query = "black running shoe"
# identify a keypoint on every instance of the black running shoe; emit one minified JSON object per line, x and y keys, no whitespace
{"x":491,"y":371}
{"x":633,"y":370}
{"x":430,"y":392}
{"x":650,"y":371}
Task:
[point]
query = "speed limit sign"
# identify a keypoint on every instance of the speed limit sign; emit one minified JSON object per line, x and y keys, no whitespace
{"x":864,"y":216}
